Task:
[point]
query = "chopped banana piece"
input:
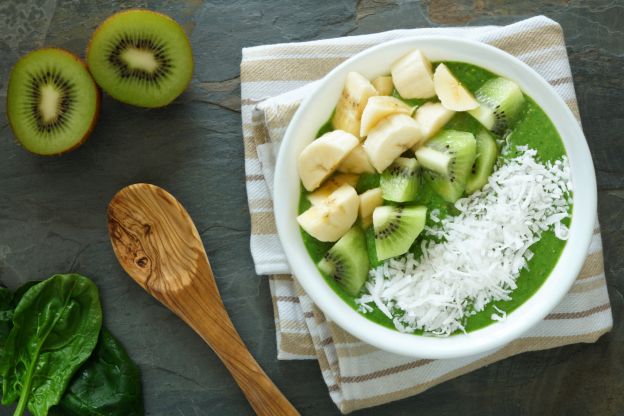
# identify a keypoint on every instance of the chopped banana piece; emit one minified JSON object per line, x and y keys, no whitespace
{"x":383,"y":85}
{"x":321,"y":157}
{"x":452,"y":94}
{"x":390,"y":138}
{"x":332,"y":219}
{"x":378,"y":108}
{"x":321,"y":194}
{"x":355,"y":95}
{"x":356,"y":162}
{"x":412,"y":76}
{"x":431,"y":117}
{"x":369,"y":200}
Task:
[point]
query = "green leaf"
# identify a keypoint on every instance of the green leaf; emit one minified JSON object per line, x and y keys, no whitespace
{"x":108,"y":384}
{"x":8,"y":302}
{"x":55,"y":329}
{"x":6,"y":315}
{"x":21,"y":291}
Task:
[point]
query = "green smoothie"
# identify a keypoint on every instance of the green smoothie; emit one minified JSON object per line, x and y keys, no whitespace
{"x":534,"y":129}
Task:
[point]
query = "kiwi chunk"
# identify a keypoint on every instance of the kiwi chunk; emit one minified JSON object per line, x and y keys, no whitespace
{"x":461,"y":147}
{"x":399,"y":182}
{"x":433,"y":160}
{"x":141,"y":58}
{"x":370,"y":246}
{"x":487,"y":152}
{"x":396,"y":229}
{"x":52,"y":101}
{"x":500,"y":103}
{"x":347,"y":261}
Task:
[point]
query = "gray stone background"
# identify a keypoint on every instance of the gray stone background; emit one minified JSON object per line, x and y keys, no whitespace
{"x":53,"y":210}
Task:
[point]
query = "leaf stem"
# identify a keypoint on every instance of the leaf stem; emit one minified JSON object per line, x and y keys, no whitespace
{"x":23,"y":401}
{"x":25,"y":395}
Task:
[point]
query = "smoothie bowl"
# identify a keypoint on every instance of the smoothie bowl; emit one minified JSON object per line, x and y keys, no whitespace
{"x":435,"y":197}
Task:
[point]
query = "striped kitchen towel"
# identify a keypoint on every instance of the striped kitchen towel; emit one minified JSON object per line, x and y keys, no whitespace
{"x":274,"y":79}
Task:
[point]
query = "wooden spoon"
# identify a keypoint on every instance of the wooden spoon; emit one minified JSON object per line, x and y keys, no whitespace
{"x":158,"y":245}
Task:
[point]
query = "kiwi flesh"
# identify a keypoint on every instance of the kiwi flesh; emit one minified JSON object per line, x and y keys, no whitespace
{"x":396,"y":229}
{"x":141,"y":58}
{"x":500,"y":103}
{"x":461,"y":147}
{"x":370,"y":246}
{"x":399,"y":182}
{"x":347,"y":261}
{"x":487,"y":152}
{"x":52,"y":101}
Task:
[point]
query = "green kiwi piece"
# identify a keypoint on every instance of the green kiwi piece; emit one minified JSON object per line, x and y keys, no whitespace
{"x":141,"y":58}
{"x":461,"y":147}
{"x":347,"y":261}
{"x":500,"y":103}
{"x":52,"y":101}
{"x":370,"y":246}
{"x":487,"y":152}
{"x":396,"y":229}
{"x":399,"y":182}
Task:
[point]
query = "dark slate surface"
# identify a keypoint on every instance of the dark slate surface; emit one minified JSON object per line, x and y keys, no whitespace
{"x":52,"y":211}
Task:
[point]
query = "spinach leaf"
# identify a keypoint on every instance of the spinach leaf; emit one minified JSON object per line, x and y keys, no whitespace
{"x":8,"y":303}
{"x":6,"y":314}
{"x":55,"y":329}
{"x":108,"y":384}
{"x":21,"y":291}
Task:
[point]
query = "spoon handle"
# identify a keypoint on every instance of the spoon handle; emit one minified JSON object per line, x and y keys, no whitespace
{"x":205,"y":313}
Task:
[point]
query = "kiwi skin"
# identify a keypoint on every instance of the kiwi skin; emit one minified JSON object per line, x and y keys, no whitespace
{"x":96,"y":115}
{"x":109,"y":18}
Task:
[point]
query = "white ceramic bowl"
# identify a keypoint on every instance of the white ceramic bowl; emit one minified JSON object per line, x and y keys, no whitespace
{"x":316,"y":110}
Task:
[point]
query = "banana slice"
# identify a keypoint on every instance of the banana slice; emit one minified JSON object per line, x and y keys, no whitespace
{"x":369,"y":200}
{"x":321,"y":194}
{"x":451,"y":92}
{"x":431,"y":117}
{"x":356,"y":162}
{"x":412,"y":76}
{"x":321,"y":157}
{"x":332,"y":219}
{"x":378,"y":108}
{"x":391,"y":136}
{"x":355,"y":94}
{"x":383,"y":85}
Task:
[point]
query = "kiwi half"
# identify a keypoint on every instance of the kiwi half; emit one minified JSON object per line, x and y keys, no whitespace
{"x":458,"y":149}
{"x":399,"y":182}
{"x":141,"y":58}
{"x":396,"y":229}
{"x":347,"y":261}
{"x":52,"y":101}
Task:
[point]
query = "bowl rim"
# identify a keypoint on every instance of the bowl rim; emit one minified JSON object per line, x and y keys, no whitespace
{"x":536,"y":307}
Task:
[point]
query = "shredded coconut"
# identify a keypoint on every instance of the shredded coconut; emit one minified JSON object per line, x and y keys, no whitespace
{"x":478,"y":254}
{"x":434,"y":215}
{"x":500,"y":315}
